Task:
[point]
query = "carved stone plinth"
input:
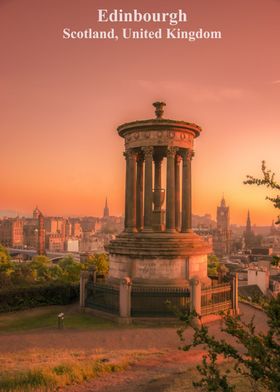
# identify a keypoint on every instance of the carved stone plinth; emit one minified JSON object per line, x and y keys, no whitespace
{"x":169,"y":259}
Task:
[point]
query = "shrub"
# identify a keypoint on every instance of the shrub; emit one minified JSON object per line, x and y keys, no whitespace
{"x":18,"y":298}
{"x":100,"y":261}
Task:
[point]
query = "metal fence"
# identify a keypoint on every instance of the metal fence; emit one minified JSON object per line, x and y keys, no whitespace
{"x":158,"y":301}
{"x":216,"y":299}
{"x":103,"y":297}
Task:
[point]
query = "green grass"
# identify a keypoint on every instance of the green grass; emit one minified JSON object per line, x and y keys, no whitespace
{"x":50,"y":379}
{"x":43,"y":318}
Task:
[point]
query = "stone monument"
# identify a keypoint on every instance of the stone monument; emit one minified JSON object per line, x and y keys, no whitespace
{"x":158,"y":247}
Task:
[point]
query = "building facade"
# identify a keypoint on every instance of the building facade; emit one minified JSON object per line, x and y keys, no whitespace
{"x":11,"y":232}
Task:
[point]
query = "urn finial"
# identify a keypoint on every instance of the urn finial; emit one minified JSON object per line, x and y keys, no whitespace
{"x":159,"y":108}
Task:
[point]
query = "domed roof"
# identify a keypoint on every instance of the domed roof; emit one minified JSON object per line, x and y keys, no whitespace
{"x":157,"y":123}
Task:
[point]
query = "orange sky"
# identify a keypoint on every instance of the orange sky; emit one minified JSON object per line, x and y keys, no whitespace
{"x":62,"y":100}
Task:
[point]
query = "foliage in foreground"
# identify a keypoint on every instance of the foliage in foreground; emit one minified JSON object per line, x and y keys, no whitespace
{"x":50,"y":379}
{"x":255,"y":357}
{"x":268,"y":180}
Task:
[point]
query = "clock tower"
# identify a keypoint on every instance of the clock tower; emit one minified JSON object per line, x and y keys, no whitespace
{"x":221,"y":238}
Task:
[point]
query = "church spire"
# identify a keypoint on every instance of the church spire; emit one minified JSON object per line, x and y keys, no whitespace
{"x":106,"y":209}
{"x":36,"y":212}
{"x":248,"y":224}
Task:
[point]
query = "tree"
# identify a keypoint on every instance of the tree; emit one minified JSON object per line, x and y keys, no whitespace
{"x":6,"y":267}
{"x":41,"y":259}
{"x":268,"y":181}
{"x":255,"y":357}
{"x":4,"y":255}
{"x":100,"y":261}
{"x":23,"y":274}
{"x":40,"y":266}
{"x":275,"y":261}
{"x":213,"y":264}
{"x":71,"y":269}
{"x":39,"y":270}
{"x":216,"y":269}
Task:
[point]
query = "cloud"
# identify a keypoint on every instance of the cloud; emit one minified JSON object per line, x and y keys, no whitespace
{"x":276,"y":81}
{"x":195,"y":93}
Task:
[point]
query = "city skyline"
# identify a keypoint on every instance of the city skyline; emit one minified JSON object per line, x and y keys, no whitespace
{"x":62,"y":102}
{"x":9,"y":214}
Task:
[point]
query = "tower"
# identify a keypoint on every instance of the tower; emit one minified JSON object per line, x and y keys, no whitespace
{"x":36,"y":213}
{"x":41,"y":235}
{"x":106,"y":210}
{"x":157,"y":246}
{"x":249,"y":236}
{"x":248,"y":224}
{"x":223,"y":216}
{"x":221,"y":239}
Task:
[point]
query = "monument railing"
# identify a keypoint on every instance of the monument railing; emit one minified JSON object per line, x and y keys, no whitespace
{"x":128,"y":300}
{"x":158,"y":301}
{"x":216,"y":298}
{"x":104,"y":297}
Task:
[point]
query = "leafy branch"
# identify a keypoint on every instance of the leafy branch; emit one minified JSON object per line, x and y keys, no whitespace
{"x":267,"y":180}
{"x":255,"y":356}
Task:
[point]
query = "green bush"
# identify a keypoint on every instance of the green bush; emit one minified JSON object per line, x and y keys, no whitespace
{"x":100,"y":261}
{"x":18,"y":298}
{"x":4,"y":255}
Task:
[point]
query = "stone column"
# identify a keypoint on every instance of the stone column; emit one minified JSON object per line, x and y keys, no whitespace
{"x":177,"y":192}
{"x":125,"y":300}
{"x":170,"y":189}
{"x":196,"y":296}
{"x":187,"y":191}
{"x":139,"y":193}
{"x":148,"y":203}
{"x":235,"y":304}
{"x":84,"y":278}
{"x":130,"y":191}
{"x":157,"y":184}
{"x":157,"y":196}
{"x":126,"y":192}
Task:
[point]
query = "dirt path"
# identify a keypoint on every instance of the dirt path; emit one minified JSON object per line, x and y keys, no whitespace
{"x":169,"y":371}
{"x":154,"y":372}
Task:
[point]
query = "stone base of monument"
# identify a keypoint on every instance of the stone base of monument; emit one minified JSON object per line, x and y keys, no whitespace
{"x":158,"y":259}
{"x":153,"y":276}
{"x":154,"y":273}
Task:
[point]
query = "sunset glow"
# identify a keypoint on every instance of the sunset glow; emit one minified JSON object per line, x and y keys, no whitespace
{"x":62,"y":100}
